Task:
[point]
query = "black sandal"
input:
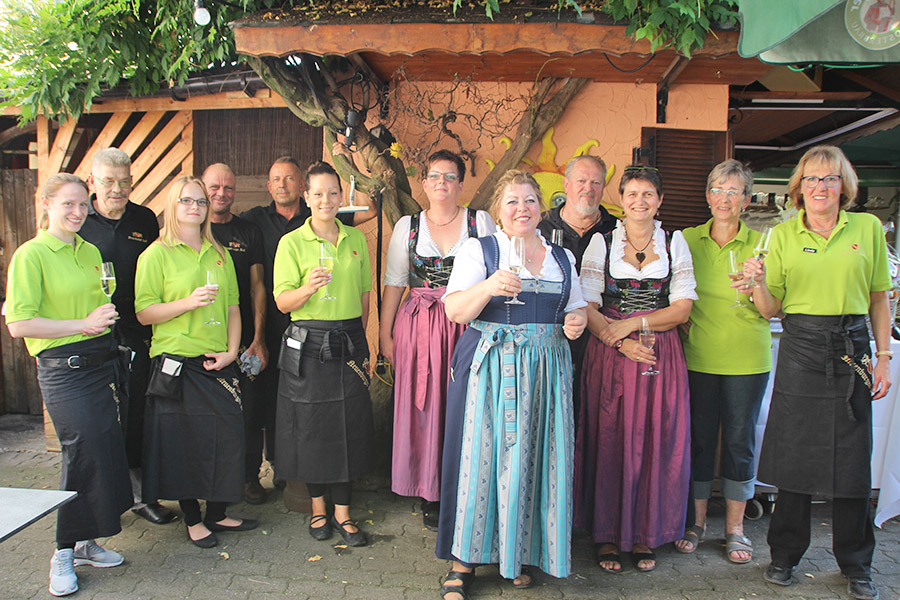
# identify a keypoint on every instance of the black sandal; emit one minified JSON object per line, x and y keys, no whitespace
{"x":639,"y":556}
{"x":462,"y":589}
{"x":613,"y":557}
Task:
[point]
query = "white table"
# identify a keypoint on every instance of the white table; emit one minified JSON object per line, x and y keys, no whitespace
{"x":885,"y":436}
{"x":20,"y":507}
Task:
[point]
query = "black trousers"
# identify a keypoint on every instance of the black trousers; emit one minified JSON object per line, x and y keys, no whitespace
{"x":254,"y":423}
{"x":341,"y":493}
{"x":853,"y":539}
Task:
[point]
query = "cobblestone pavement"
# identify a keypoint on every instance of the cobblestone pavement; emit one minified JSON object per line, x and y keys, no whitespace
{"x":280,"y":560}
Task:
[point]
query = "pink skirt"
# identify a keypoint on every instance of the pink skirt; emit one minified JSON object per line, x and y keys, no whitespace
{"x":424,"y":339}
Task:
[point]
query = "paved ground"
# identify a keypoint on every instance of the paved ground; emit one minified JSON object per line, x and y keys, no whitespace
{"x":280,"y":560}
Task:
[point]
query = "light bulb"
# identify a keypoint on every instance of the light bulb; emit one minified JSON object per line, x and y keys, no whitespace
{"x":201,"y":15}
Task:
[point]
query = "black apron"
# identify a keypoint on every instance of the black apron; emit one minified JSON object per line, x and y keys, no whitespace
{"x":818,"y":436}
{"x":325,"y":430}
{"x":194,"y":446}
{"x":83,"y":404}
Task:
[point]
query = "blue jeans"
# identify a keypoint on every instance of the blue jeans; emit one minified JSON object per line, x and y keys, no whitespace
{"x":731,"y":401}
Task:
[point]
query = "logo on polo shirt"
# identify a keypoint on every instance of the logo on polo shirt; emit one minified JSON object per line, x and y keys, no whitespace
{"x":137,"y":236}
{"x":810,"y":250}
{"x":235,"y":246}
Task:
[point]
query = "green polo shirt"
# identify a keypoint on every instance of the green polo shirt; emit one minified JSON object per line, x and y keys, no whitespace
{"x":723,"y":340}
{"x":166,"y":274}
{"x":815,"y":276}
{"x":298,"y":255}
{"x":51,"y":279}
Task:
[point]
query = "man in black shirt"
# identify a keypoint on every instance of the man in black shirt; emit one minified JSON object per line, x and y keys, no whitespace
{"x":122,"y":230}
{"x":244,"y":242}
{"x":580,"y":217}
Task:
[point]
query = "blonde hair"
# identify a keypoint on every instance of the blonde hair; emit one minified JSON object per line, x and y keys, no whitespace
{"x":169,"y":236}
{"x":834,"y":158}
{"x":52,"y":187}
{"x":513,"y":177}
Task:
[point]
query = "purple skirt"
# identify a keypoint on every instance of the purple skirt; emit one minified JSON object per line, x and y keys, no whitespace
{"x":632,"y":448}
{"x":424,"y":339}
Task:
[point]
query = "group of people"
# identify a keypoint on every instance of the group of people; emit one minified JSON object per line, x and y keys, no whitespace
{"x":552,"y":370}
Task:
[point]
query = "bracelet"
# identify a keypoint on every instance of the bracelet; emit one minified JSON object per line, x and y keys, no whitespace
{"x":887,"y":353}
{"x":619,"y":343}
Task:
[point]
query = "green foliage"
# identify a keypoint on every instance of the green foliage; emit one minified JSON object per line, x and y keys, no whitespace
{"x":55,"y":57}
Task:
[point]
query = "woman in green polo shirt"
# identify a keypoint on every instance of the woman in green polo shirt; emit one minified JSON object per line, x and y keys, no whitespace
{"x":325,"y":434}
{"x":826,"y":270}
{"x":194,"y":439}
{"x":54,"y":300}
{"x":728,"y":355}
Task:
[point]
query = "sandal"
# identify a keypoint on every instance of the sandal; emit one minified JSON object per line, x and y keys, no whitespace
{"x":735,"y":542}
{"x":693,"y":535}
{"x":526,"y":572}
{"x":637,"y":557}
{"x":612,"y":557}
{"x":462,"y":589}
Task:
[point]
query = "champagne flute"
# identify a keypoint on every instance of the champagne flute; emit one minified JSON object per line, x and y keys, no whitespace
{"x":761,"y":250}
{"x":647,"y":337}
{"x":557,"y":237}
{"x":735,"y":273}
{"x":108,"y":281}
{"x":516,"y":262}
{"x":212,"y":283}
{"x":326,"y":261}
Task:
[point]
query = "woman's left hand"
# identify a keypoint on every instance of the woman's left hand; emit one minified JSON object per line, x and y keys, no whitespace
{"x":619,"y":330}
{"x":574,"y":325}
{"x":881,"y":381}
{"x":218,"y":360}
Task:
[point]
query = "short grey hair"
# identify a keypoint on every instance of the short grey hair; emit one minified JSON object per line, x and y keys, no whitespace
{"x":111,"y":157}
{"x":727,"y":169}
{"x":570,"y":166}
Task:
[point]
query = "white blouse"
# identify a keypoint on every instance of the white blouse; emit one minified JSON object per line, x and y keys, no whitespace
{"x":593,"y":264}
{"x":469,"y":268}
{"x":397,"y":268}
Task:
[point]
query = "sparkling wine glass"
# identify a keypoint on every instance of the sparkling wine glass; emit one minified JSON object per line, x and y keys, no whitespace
{"x":735,"y":273}
{"x":326,"y":261}
{"x":557,"y":237}
{"x":108,"y":281}
{"x":647,"y":337}
{"x":212,"y":283}
{"x":516,"y":262}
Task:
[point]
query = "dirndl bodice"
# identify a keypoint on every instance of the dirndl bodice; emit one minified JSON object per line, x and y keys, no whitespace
{"x":628,"y":296}
{"x":432,"y":271}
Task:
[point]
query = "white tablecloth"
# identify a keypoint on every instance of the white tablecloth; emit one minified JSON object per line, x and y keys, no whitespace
{"x":885,"y":437}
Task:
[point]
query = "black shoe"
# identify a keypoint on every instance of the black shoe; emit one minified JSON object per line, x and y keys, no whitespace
{"x":207,"y":542}
{"x":320,"y":532}
{"x":156,"y":513}
{"x":244,"y":525}
{"x":862,"y":588}
{"x":431,"y":514}
{"x":357,"y":538}
{"x":779,"y":575}
{"x":254,"y":493}
{"x":279,"y":484}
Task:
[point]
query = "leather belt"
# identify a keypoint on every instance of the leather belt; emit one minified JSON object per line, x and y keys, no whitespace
{"x":77,"y":361}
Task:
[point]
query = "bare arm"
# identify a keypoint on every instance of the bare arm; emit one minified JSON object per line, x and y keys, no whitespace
{"x":291,"y":300}
{"x":768,"y":305}
{"x":364,"y":300}
{"x":390,"y":302}
{"x":48,"y":329}
{"x":219,"y":360}
{"x":258,"y":299}
{"x":880,"y":315}
{"x":166,"y":311}
{"x":465,"y":305}
{"x":663,"y":319}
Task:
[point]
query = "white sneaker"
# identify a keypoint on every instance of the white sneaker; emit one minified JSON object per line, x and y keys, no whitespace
{"x":62,"y":573}
{"x":90,"y":553}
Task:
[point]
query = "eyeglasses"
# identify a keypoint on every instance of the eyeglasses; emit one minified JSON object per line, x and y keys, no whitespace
{"x":731,"y":194}
{"x":811,"y":181}
{"x":435,"y":175}
{"x":198,"y":201}
{"x":109,"y":183}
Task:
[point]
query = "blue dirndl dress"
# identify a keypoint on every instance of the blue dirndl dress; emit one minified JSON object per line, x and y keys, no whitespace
{"x":506,"y":487}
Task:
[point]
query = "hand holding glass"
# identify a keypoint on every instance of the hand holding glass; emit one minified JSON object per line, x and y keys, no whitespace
{"x":516,"y":262}
{"x":735,"y":273}
{"x":212,"y":283}
{"x":326,"y":261}
{"x":761,"y":250}
{"x":647,"y":338}
{"x":108,"y":281}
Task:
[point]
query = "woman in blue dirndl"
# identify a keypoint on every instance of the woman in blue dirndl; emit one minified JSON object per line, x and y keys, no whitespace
{"x":506,"y":487}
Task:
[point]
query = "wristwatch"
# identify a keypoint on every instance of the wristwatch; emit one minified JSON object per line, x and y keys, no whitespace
{"x":619,"y":343}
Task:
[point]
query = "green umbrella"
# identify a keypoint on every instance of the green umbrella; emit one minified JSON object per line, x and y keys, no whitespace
{"x":820,"y":31}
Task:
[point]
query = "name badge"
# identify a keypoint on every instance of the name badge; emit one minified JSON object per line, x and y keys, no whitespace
{"x":292,"y":343}
{"x":171,"y":367}
{"x":810,"y":250}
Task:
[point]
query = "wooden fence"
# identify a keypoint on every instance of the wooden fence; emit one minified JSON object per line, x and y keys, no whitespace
{"x":20,"y":393}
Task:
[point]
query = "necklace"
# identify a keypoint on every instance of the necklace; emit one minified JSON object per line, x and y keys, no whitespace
{"x":583,"y":229}
{"x":639,"y":254}
{"x":532,"y":253}
{"x":453,"y":218}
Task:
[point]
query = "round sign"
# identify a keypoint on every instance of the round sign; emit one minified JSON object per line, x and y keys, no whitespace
{"x":873,"y":24}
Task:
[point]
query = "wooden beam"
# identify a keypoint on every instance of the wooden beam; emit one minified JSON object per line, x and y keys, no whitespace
{"x":160,"y":144}
{"x":187,"y":137}
{"x":879,"y":88}
{"x":776,"y":96}
{"x":43,"y":153}
{"x":158,"y":203}
{"x":60,"y":146}
{"x":168,"y":165}
{"x":15,"y":131}
{"x":140,"y":132}
{"x":103,"y":141}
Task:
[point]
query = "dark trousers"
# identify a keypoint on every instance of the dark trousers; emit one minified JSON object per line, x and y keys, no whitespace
{"x":254,"y":421}
{"x":340,"y":492}
{"x":215,"y":511}
{"x":854,"y":533}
